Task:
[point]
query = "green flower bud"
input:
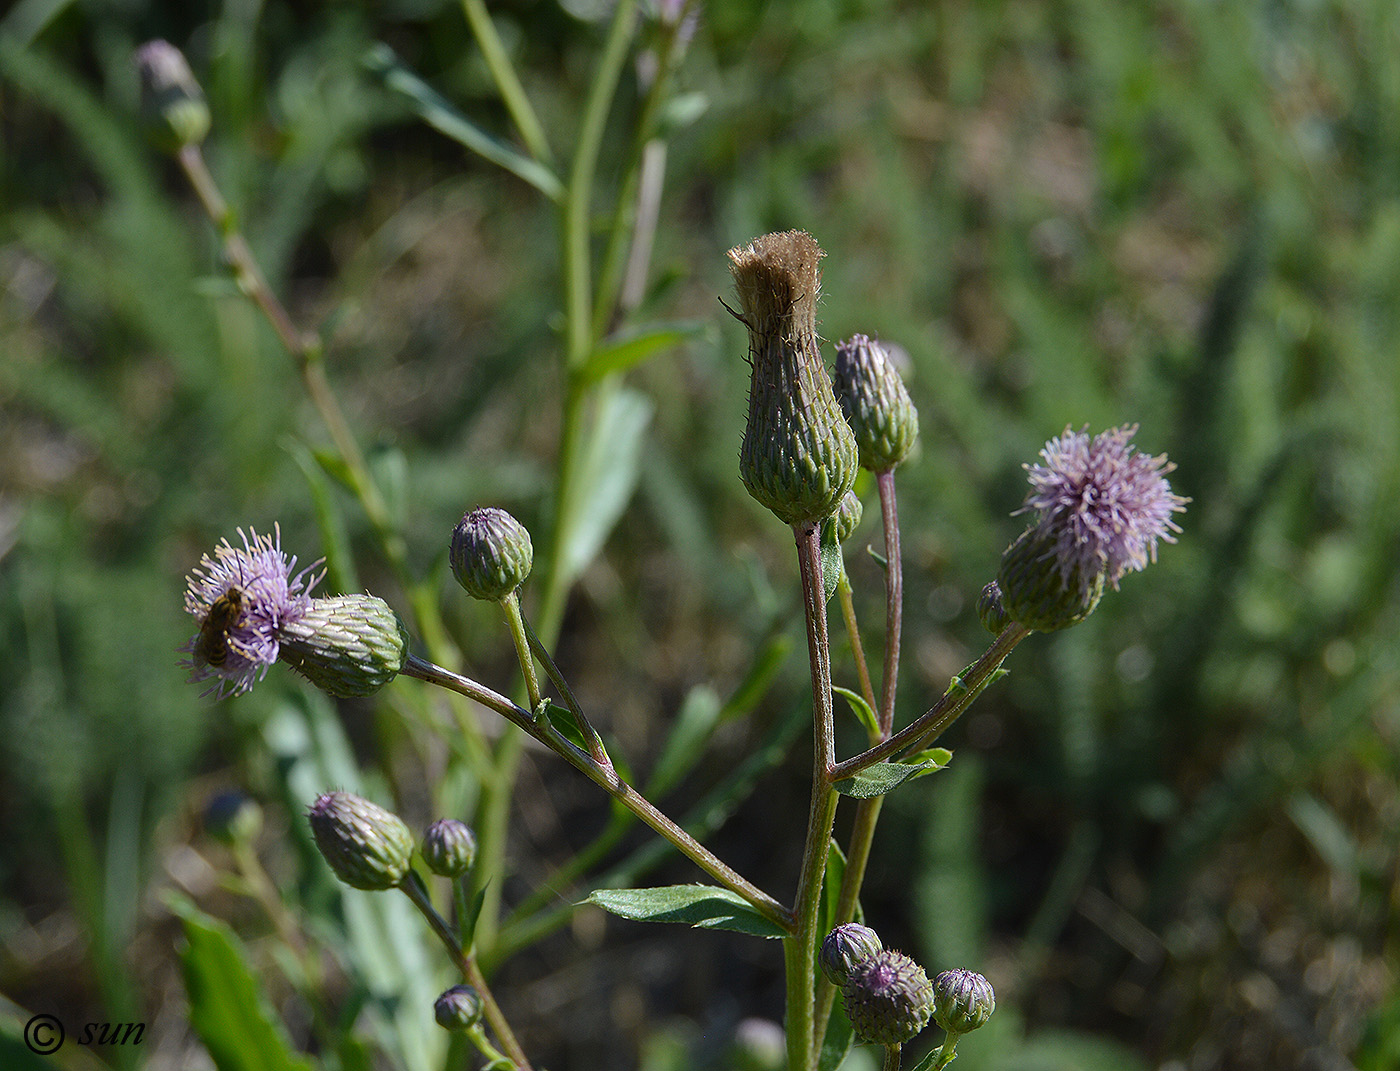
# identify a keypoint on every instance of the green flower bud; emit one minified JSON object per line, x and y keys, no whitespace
{"x":459,"y":1008}
{"x":873,"y":397}
{"x":990,"y":610}
{"x":845,"y":948}
{"x":232,"y":818}
{"x":366,"y":846}
{"x":1036,"y":593}
{"x":173,"y":108}
{"x":799,"y":455}
{"x":491,"y":553}
{"x":888,"y":999}
{"x":346,"y":645}
{"x":449,"y":848}
{"x":846,"y":519}
{"x":962,"y":1001}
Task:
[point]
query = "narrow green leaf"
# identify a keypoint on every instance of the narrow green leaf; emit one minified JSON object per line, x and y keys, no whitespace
{"x":629,"y":348}
{"x":704,"y":906}
{"x":833,"y":565}
{"x":227,"y":1007}
{"x":883,"y":776}
{"x":860,"y":707}
{"x":606,"y":477}
{"x":437,"y":112}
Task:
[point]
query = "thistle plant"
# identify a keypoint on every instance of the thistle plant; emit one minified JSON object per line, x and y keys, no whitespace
{"x":1099,"y":511}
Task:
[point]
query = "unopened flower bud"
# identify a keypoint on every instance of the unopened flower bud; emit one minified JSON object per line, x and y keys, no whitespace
{"x":232,"y":818}
{"x":367,"y":846}
{"x":491,"y":553}
{"x":799,"y":455}
{"x":876,"y":403}
{"x":449,"y":848}
{"x":962,"y":1001}
{"x":173,"y":108}
{"x":1034,"y":590}
{"x":845,"y":948}
{"x":346,"y":645}
{"x":846,"y":519}
{"x":990,"y":610}
{"x":888,"y":999}
{"x":459,"y":1008}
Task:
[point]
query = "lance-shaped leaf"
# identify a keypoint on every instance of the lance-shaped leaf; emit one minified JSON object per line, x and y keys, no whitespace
{"x":705,"y":906}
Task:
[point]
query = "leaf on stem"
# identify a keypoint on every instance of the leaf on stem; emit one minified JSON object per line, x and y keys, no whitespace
{"x":861,"y":709}
{"x":627,"y":349}
{"x":704,"y":906}
{"x":606,"y":477}
{"x":437,"y":112}
{"x":884,"y":776}
{"x":833,"y":565}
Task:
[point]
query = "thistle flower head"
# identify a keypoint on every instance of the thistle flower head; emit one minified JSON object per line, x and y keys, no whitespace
{"x":888,"y":998}
{"x":346,"y":645}
{"x":962,"y":1001}
{"x":367,"y":846}
{"x":243,"y":600}
{"x":459,"y":1008}
{"x":876,"y":403}
{"x":449,"y":847}
{"x":798,"y":457}
{"x":1101,"y":509}
{"x":1104,"y":504}
{"x":845,"y":948}
{"x":491,"y":553}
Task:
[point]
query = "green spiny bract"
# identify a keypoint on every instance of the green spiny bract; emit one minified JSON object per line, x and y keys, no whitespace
{"x":367,"y":846}
{"x":876,"y":403}
{"x":888,"y":998}
{"x":346,"y":645}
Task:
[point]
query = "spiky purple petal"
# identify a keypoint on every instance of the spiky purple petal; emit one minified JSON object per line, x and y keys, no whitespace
{"x":1102,"y":505}
{"x":273,"y":595}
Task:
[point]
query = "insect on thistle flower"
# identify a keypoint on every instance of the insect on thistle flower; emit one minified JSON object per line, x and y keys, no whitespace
{"x":243,"y":599}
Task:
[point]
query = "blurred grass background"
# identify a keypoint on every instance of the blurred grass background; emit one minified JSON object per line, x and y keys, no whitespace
{"x":1169,"y":838}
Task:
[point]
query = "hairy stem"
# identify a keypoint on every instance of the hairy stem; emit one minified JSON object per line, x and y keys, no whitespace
{"x":471,"y":973}
{"x":607,"y":778}
{"x":922,"y":732}
{"x":801,"y":949}
{"x":894,"y":599}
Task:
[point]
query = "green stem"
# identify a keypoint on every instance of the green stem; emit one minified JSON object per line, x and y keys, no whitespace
{"x":466,"y":963}
{"x":519,"y":635}
{"x":579,"y":337}
{"x":894,"y":599}
{"x":608,"y":779}
{"x":848,"y":615}
{"x":801,"y":949}
{"x":922,"y":732}
{"x":507,"y":84}
{"x":891,"y":1062}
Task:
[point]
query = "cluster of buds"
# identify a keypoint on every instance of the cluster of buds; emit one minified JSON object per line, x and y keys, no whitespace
{"x":888,"y":997}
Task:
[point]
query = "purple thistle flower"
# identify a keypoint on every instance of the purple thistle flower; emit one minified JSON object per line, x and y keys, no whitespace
{"x":1103,"y":506}
{"x":243,"y":599}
